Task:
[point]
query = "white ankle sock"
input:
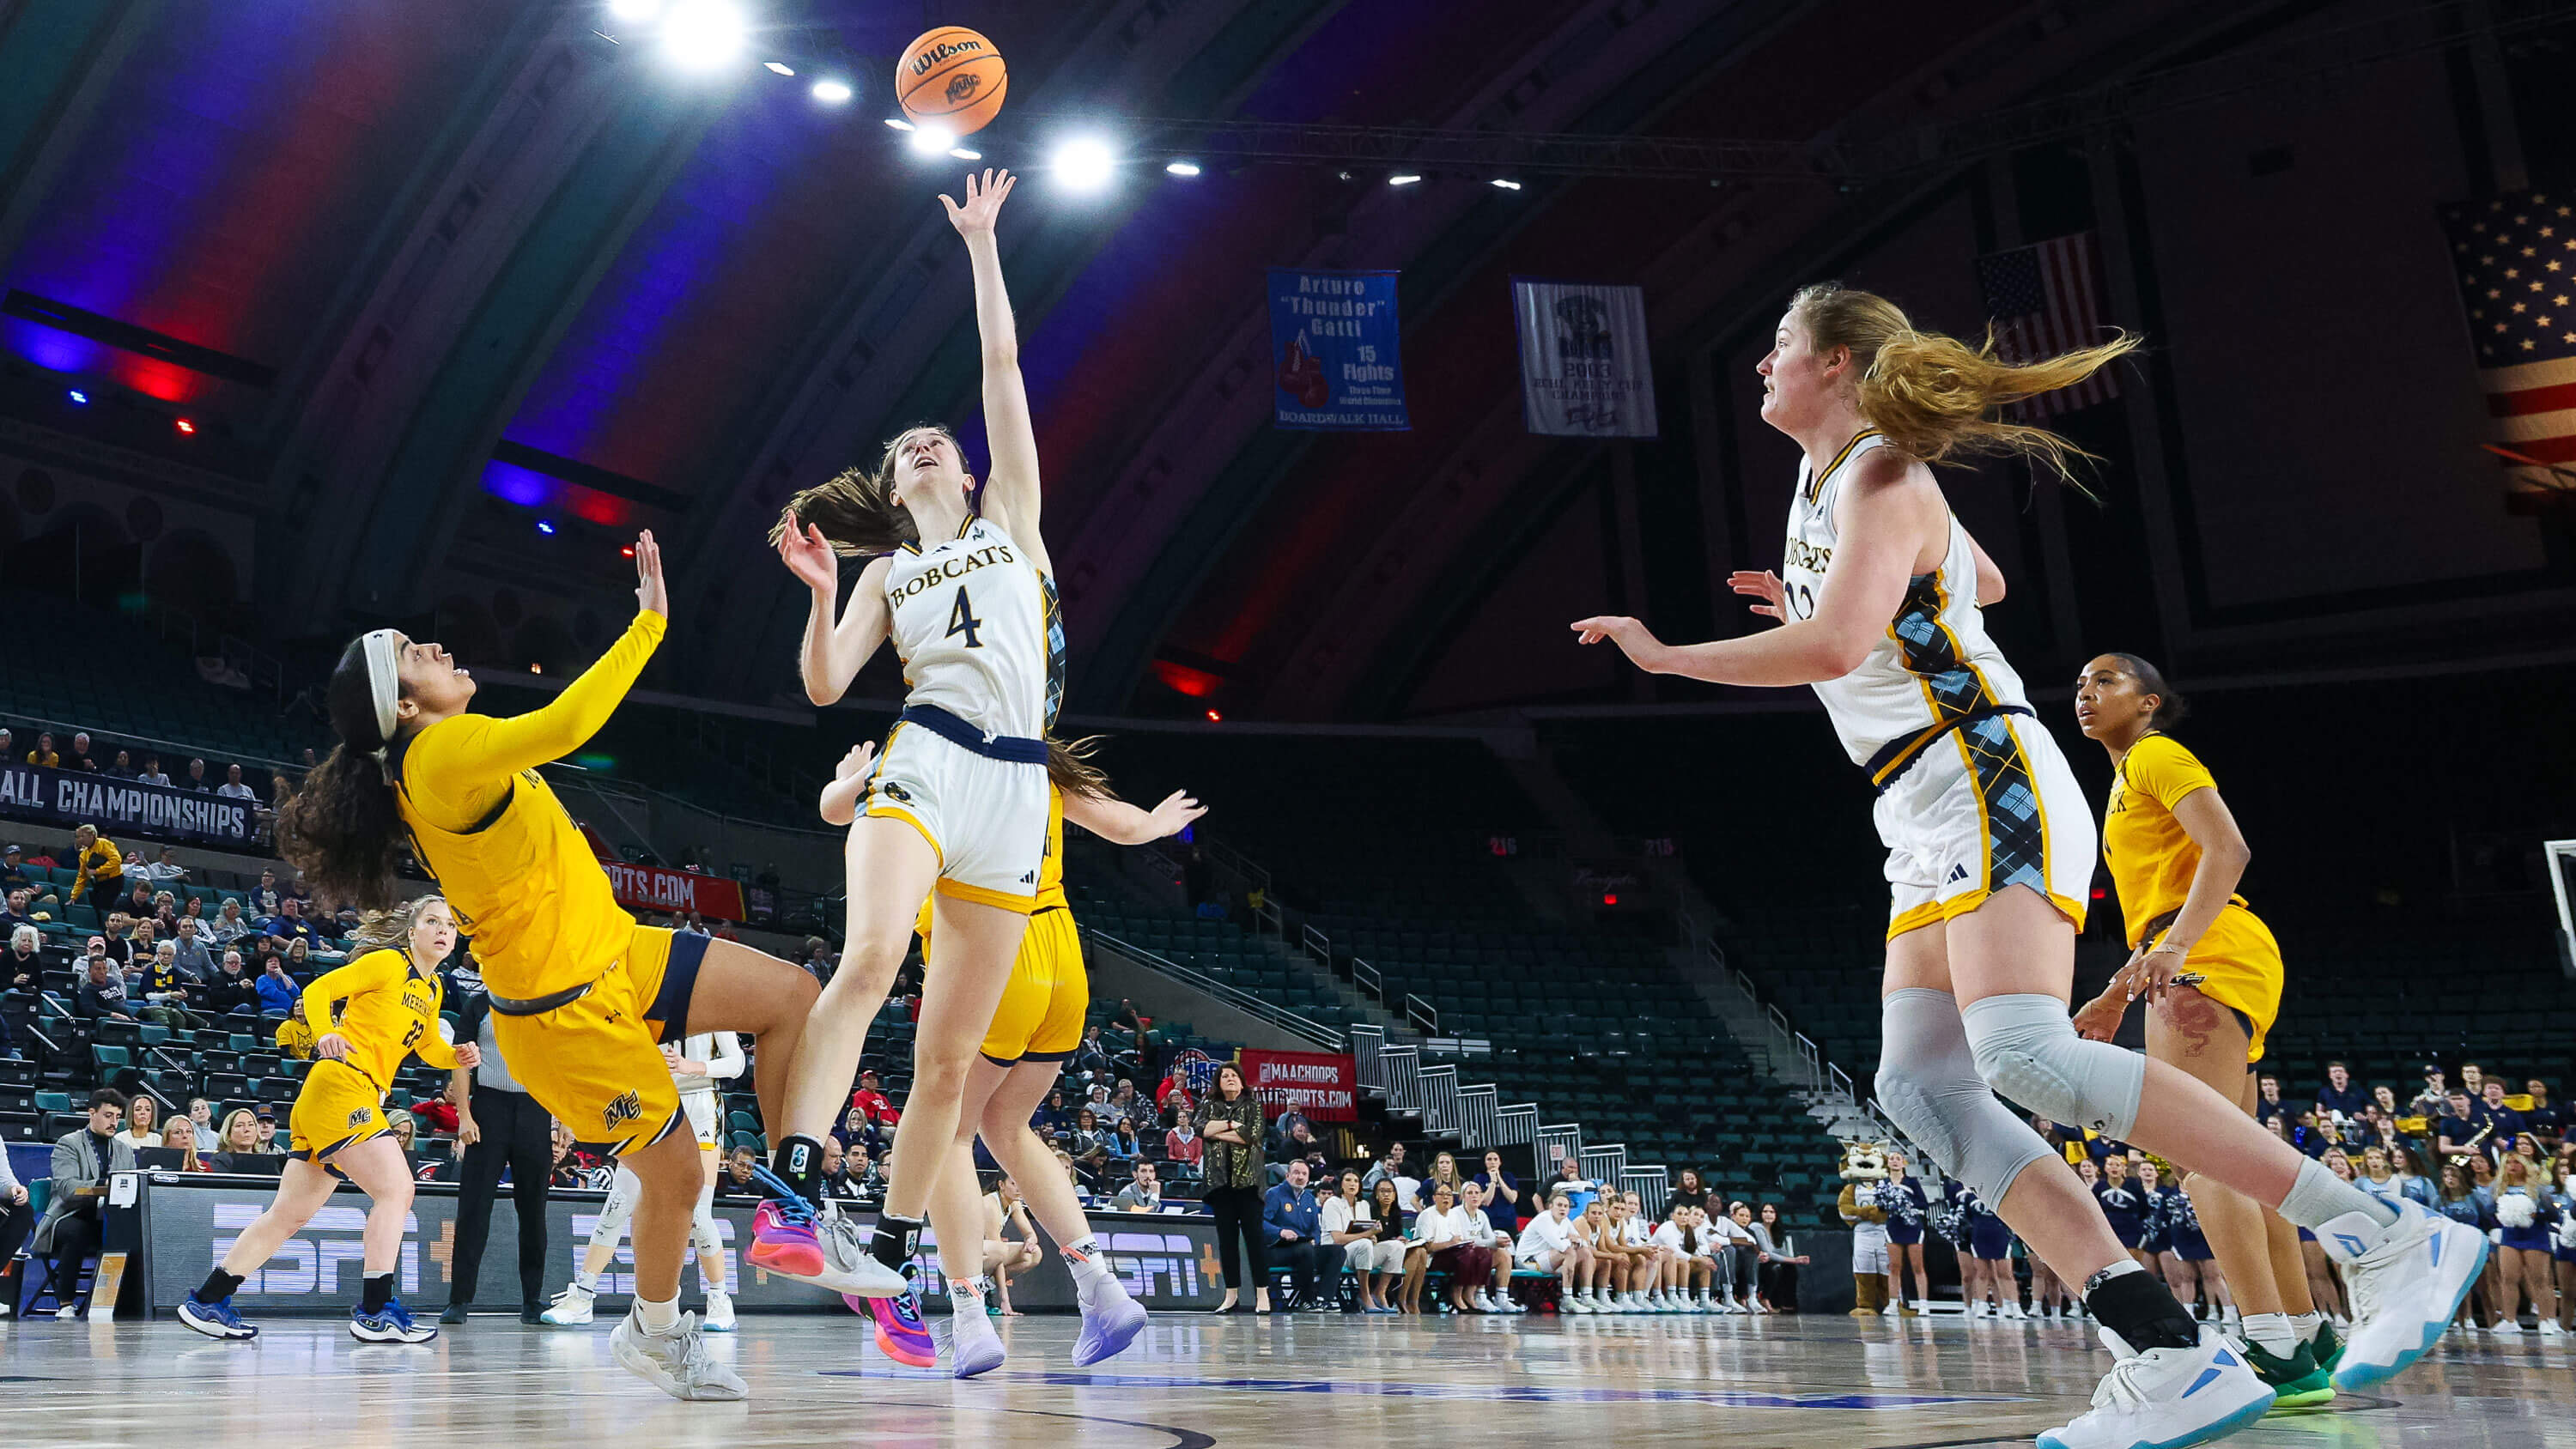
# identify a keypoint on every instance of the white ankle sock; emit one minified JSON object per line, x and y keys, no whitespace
{"x":2305,"y":1325}
{"x":968,"y":1298}
{"x":2273,"y":1333}
{"x":2319,"y":1197}
{"x":657,"y":1318}
{"x":586,"y":1280}
{"x":1082,"y":1258}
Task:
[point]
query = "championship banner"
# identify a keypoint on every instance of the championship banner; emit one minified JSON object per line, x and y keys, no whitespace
{"x":118,"y":807}
{"x":1585,"y":372}
{"x":1334,"y":334}
{"x":651,"y":888}
{"x":1323,"y":1085}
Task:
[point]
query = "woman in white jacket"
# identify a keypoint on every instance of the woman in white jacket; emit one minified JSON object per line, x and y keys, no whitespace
{"x":1370,"y":1245}
{"x":1551,"y":1245}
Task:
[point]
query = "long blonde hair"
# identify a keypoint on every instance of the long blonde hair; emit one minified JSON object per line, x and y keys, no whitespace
{"x":1936,"y":397}
{"x":390,"y":929}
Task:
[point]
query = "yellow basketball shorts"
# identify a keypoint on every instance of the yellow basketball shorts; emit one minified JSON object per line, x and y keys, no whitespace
{"x":1040,"y":1018}
{"x":2240,"y":967}
{"x":596,"y":1062}
{"x":339,"y":1107}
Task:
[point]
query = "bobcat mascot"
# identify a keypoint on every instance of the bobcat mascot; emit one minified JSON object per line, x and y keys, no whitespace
{"x":1864,"y":1168}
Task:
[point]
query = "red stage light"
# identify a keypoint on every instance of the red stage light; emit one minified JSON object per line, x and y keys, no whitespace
{"x":1214,"y":717}
{"x":185,"y":426}
{"x":627,"y":552}
{"x":1608,"y":900}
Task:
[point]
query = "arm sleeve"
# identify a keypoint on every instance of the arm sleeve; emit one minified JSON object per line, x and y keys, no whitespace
{"x":371,"y":972}
{"x":455,"y":771}
{"x":2165,"y":771}
{"x":724,"y":1058}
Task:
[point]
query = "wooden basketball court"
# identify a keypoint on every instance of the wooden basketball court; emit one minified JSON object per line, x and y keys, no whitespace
{"x":1195,"y":1381}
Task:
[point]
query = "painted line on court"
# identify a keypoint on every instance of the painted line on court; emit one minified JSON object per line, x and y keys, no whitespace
{"x":1181,"y":1438}
{"x":1489,"y":1393}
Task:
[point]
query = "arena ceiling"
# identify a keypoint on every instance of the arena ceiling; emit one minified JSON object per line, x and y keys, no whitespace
{"x":453,"y":269}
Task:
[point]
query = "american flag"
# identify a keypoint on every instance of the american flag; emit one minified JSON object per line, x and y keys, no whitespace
{"x":2515,"y":256}
{"x":2042,"y":299}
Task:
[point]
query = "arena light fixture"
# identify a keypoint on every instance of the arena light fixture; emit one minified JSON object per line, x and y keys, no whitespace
{"x":1506,"y":183}
{"x":704,"y":34}
{"x":1402,"y":178}
{"x":78,"y":396}
{"x":962,"y":154}
{"x":779,"y":68}
{"x":635,"y":12}
{"x":1085,"y":163}
{"x":931,"y":140}
{"x":898,"y":122}
{"x":185,"y":426}
{"x":832,"y":92}
{"x":546,"y":526}
{"x":1183,"y":168}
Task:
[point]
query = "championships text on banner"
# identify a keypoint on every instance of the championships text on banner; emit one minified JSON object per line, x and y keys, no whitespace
{"x":76,"y":797}
{"x":1323,"y":1085}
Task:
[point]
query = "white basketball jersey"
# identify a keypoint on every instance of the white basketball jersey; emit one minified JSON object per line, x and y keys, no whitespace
{"x":975,"y":627}
{"x":1934,"y":663}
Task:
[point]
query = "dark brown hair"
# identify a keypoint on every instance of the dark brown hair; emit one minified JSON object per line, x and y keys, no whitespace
{"x":856,"y":509}
{"x":2171,"y":707}
{"x":341,"y":829}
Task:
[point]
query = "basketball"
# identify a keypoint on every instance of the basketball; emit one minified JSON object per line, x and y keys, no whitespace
{"x":951,"y":77}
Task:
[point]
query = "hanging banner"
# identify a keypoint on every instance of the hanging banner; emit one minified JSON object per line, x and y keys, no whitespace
{"x":1584,"y":366}
{"x":1323,"y":1085}
{"x":1333,"y":336}
{"x":651,"y":888}
{"x":120,"y":806}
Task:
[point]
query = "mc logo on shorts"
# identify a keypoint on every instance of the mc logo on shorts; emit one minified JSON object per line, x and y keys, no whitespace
{"x":625,"y":1109}
{"x":361,"y":1117}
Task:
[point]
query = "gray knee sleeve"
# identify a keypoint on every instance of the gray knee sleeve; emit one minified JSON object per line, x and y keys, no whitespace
{"x":1929,"y":1084}
{"x":2027,"y":1049}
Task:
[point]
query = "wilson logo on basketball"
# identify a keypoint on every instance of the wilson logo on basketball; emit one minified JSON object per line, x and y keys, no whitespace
{"x":626,"y":1108}
{"x":929,"y":59}
{"x":962,"y":85}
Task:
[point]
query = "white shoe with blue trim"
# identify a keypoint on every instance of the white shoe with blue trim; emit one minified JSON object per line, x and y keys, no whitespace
{"x":2167,"y":1398}
{"x":2405,"y":1286}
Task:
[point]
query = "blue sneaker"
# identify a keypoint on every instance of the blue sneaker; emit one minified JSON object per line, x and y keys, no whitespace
{"x":393,"y":1325}
{"x":216,"y":1319}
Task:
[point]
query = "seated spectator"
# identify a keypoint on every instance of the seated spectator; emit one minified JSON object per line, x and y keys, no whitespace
{"x":2433,"y":1098}
{"x":2504,"y":1120}
{"x":142,"y":1122}
{"x":1143,"y":1194}
{"x":265,"y":899}
{"x":83,"y":1159}
{"x":299,"y":960}
{"x":166,"y":871}
{"x":1349,"y":1223}
{"x":1177,"y":1108}
{"x":278,"y":992}
{"x":1294,"y":1224}
{"x":1298,"y":1144}
{"x":2267,"y":1098}
{"x":1748,"y":1258}
{"x":738,"y":1180}
{"x":2542,"y":1120}
{"x":233,"y":990}
{"x":196,"y":779}
{"x":269,"y":1146}
{"x":44,"y":754}
{"x":1091,"y":1059}
{"x":871,"y":1099}
{"x":235,"y":787}
{"x":180,"y":1135}
{"x":121,"y":768}
{"x":1549,"y":1244}
{"x":1690,"y":1190}
{"x":1502,"y":1191}
{"x":101,"y":994}
{"x":19,"y":910}
{"x":1123,"y":1103}
{"x":856,"y":1131}
{"x":80,"y":757}
{"x":1182,"y":1147}
{"x":1090,"y":1145}
{"x":151,"y":772}
{"x":1004,"y":1255}
{"x":1125,"y":1016}
{"x":2339,"y":1096}
{"x":8,"y":746}
{"x":99,"y":879}
{"x":1450,"y":1241}
{"x":13,"y":867}
{"x":22,"y":968}
{"x":168,"y":992}
{"x":238,"y":1137}
{"x":1391,"y":1168}
{"x":1777,"y":1280}
{"x":1124,"y":1145}
{"x":137,"y":901}
{"x":289,"y":923}
{"x":437,"y":1115}
{"x":836,"y":1181}
{"x":1568,"y":1177}
{"x":1495,"y":1232}
{"x":188,"y":947}
{"x":228,"y":925}
{"x":1053,"y":1119}
{"x":1688,"y":1271}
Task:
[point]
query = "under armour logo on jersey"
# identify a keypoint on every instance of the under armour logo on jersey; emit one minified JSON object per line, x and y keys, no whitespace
{"x":1958,"y":873}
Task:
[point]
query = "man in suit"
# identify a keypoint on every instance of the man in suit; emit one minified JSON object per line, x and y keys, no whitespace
{"x":82,"y":1162}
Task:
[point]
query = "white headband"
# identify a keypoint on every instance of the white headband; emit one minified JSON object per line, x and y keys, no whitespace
{"x":384,"y":682}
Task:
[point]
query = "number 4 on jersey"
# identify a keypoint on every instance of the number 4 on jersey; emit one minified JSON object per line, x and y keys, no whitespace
{"x":963,"y":621}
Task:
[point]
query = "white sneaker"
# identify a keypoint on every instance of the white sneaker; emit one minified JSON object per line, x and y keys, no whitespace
{"x":2167,"y":1398}
{"x":2405,"y":1287}
{"x":974,"y":1347}
{"x":719,"y":1317}
{"x":571,"y":1308}
{"x":1727,"y":1304}
{"x":678,"y":1363}
{"x":2510,"y":1325}
{"x":2549,"y":1329}
{"x":1572,"y":1303}
{"x":2013,"y":1310}
{"x":1892,"y":1309}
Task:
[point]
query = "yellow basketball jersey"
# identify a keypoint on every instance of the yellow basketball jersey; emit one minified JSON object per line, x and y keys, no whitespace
{"x":1050,"y":892}
{"x":517,"y":871}
{"x":384,"y":1010}
{"x":2152,"y":858}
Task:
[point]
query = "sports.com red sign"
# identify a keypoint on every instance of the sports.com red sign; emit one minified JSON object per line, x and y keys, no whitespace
{"x":1322,"y":1085}
{"x":651,"y":888}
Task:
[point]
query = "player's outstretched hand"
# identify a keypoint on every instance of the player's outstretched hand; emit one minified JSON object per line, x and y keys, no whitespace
{"x":801,"y":547}
{"x":856,"y":762}
{"x":652,"y":596}
{"x":1173,"y":815}
{"x":983,"y":203}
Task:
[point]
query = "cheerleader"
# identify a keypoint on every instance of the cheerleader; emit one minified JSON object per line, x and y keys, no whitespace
{"x":1909,"y":1209}
{"x":2188,"y":1258}
{"x":2124,"y":1205}
{"x":2526,"y":1214}
{"x":1990,"y":1242}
